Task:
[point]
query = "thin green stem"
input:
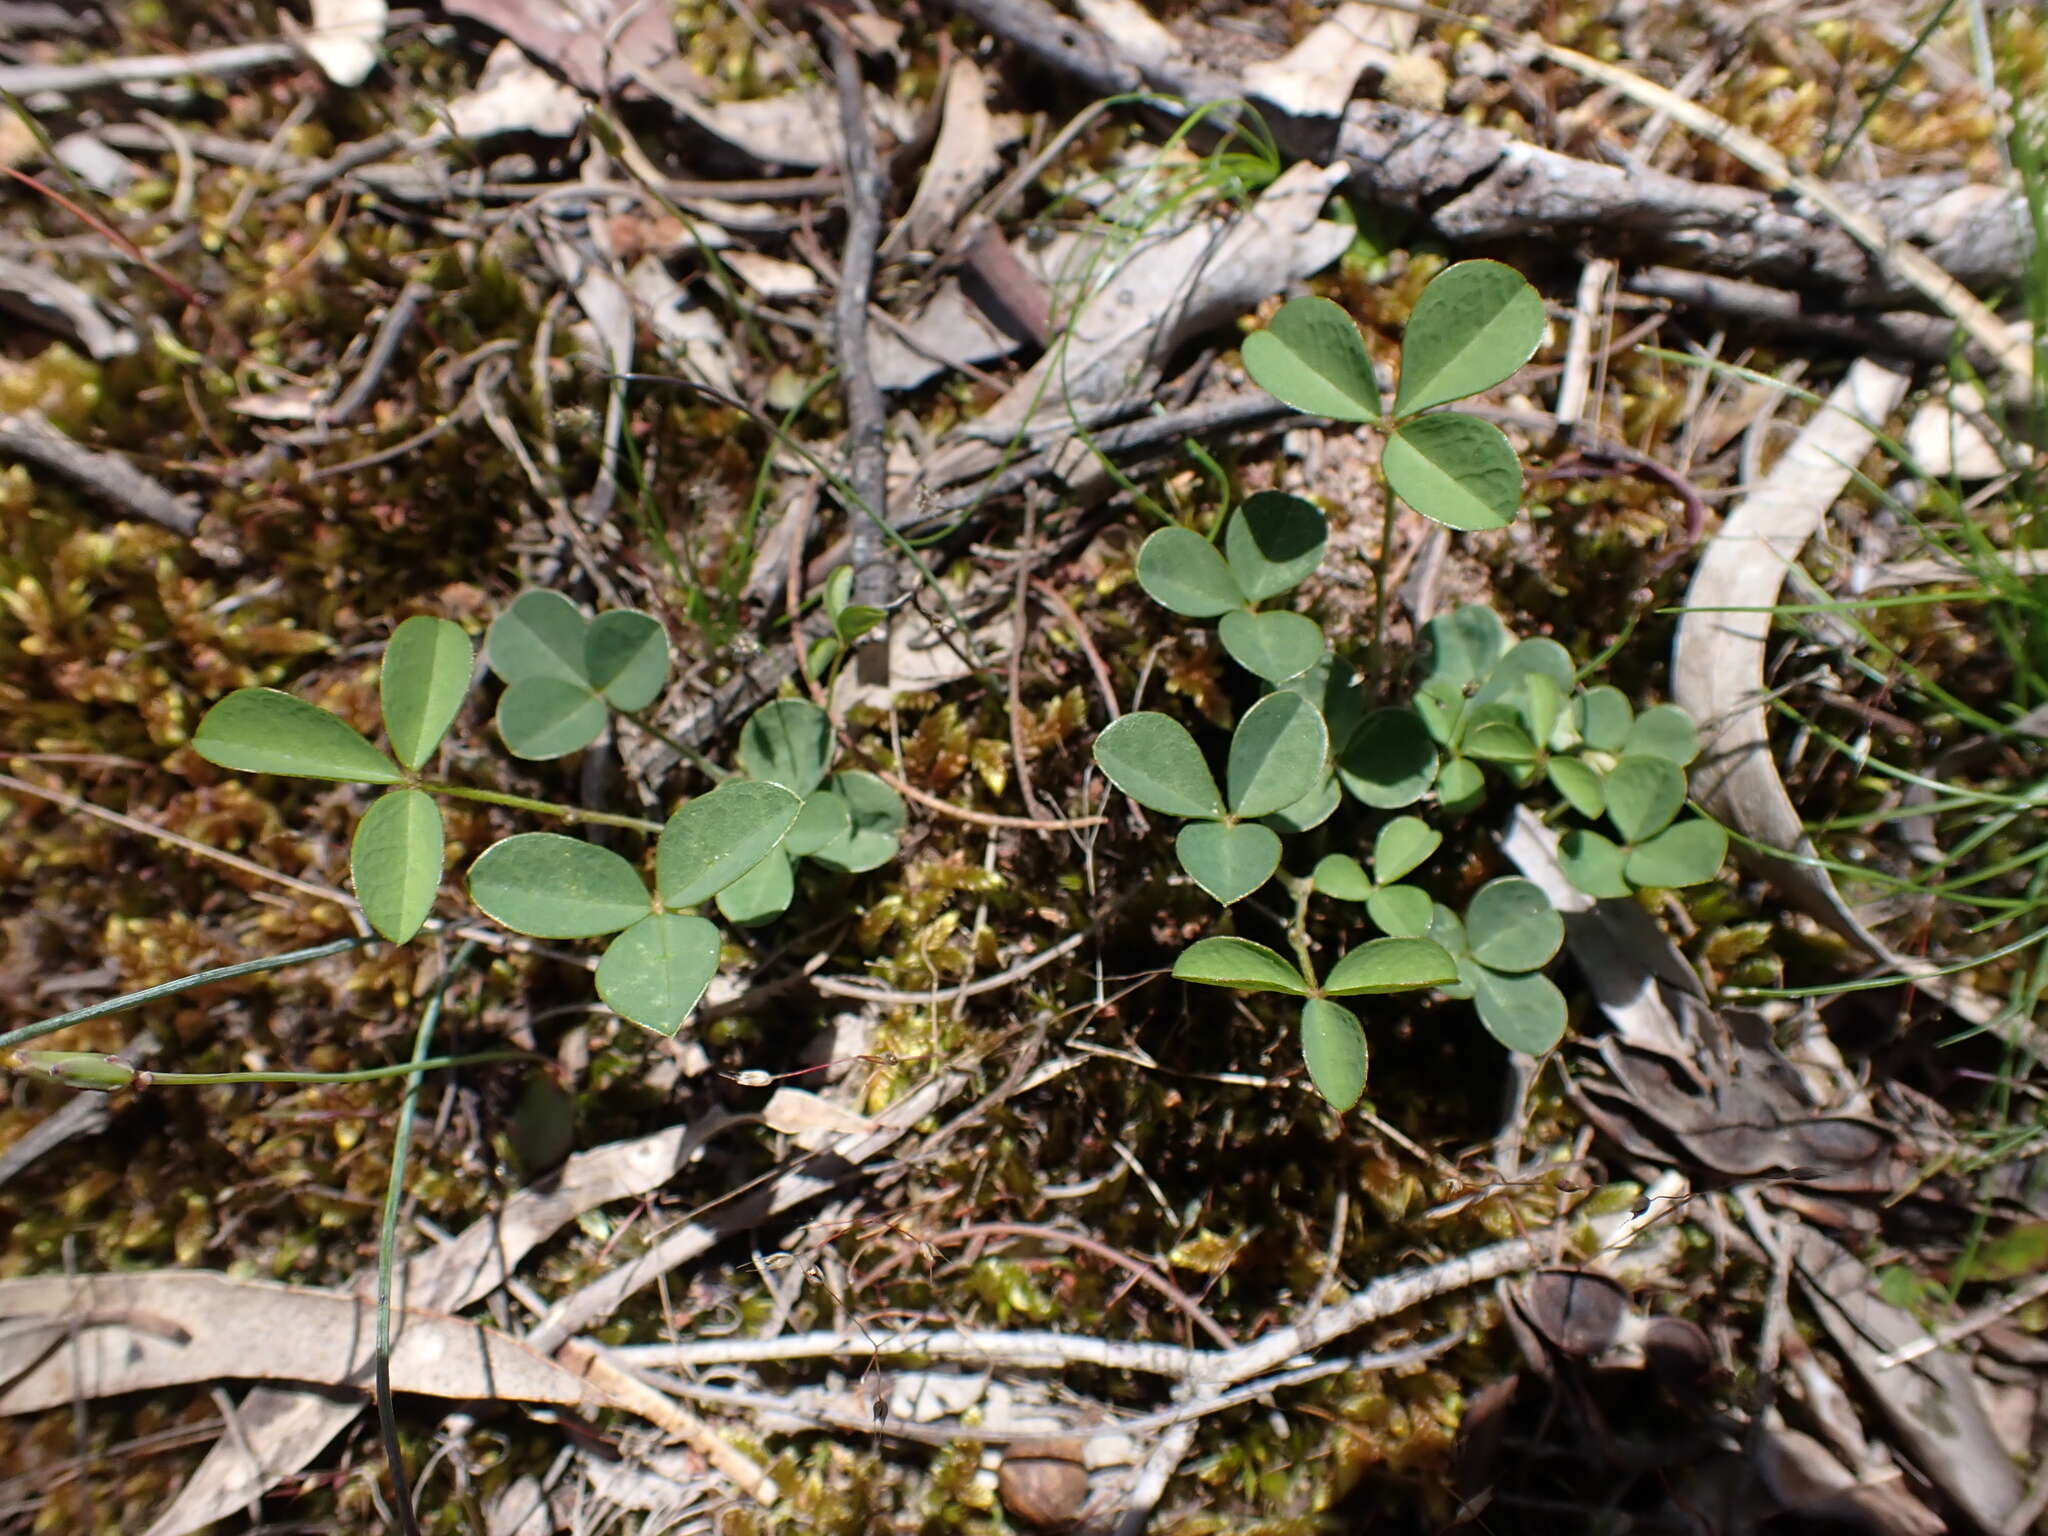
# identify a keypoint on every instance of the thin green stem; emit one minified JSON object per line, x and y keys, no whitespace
{"x":1297,"y":926}
{"x":183,"y":984}
{"x":363,"y":1075}
{"x":387,"y":1245}
{"x":681,"y":748}
{"x":1382,"y":563}
{"x":568,"y":813}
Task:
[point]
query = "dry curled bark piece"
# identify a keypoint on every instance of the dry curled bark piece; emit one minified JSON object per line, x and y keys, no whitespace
{"x":1717,"y":662}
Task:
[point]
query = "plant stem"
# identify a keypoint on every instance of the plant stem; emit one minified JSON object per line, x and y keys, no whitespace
{"x":184,"y":983}
{"x":568,"y":813}
{"x":1382,"y":564}
{"x":362,"y":1075}
{"x":387,"y":1245}
{"x":1297,"y":926}
{"x":683,"y":749}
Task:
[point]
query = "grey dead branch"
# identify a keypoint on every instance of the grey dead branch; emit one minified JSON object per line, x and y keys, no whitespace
{"x":1478,"y":184}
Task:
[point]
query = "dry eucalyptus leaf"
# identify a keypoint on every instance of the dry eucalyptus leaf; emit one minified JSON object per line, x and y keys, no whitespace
{"x":515,"y":95}
{"x":281,"y":1430}
{"x":1809,"y":1482}
{"x":810,"y":1119}
{"x":796,"y":128}
{"x":1133,"y":33}
{"x":949,"y":332}
{"x":1317,"y":76}
{"x":520,"y":1509}
{"x":689,"y":335}
{"x":598,"y":45}
{"x":1944,"y":439}
{"x":961,"y":164}
{"x":922,"y":655}
{"x":100,"y":1335}
{"x":1166,"y":290}
{"x":1717,"y":667}
{"x":772,"y":277}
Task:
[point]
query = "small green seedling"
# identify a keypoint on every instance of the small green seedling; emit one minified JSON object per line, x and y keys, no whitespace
{"x":849,"y":621}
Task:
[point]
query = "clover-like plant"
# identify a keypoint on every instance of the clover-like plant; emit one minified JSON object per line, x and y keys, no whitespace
{"x":1403,"y":845}
{"x":1510,"y":931}
{"x":1474,"y":325}
{"x":1269,"y":547}
{"x":1485,"y":704}
{"x":563,"y":672}
{"x":851,"y":821}
{"x":396,"y":858}
{"x":554,"y":887}
{"x":1277,"y":756}
{"x":1488,"y":702}
{"x":1332,"y":1039}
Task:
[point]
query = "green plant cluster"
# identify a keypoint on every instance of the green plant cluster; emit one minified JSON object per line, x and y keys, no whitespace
{"x":1483,"y":703}
{"x":564,"y":673}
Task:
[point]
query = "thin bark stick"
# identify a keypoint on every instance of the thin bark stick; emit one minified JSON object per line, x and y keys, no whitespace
{"x":32,"y":79}
{"x":631,"y":1393}
{"x":867,"y":468}
{"x":29,"y":436}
